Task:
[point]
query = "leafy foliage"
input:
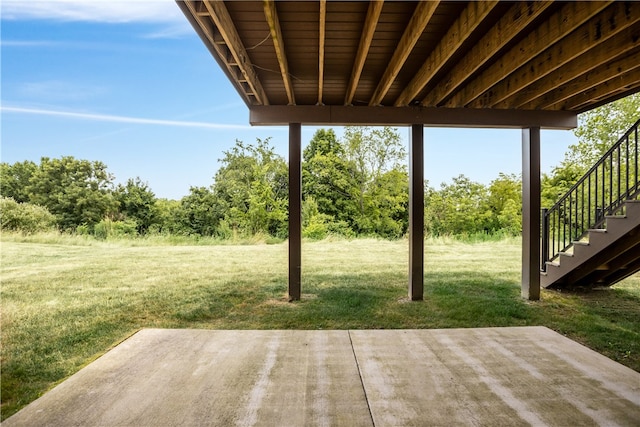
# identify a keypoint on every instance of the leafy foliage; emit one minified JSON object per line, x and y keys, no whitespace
{"x":251,"y":189}
{"x":75,"y":191}
{"x":598,"y":130}
{"x":24,"y":217}
{"x":15,"y":178}
{"x":137,"y":204}
{"x":328,"y":177}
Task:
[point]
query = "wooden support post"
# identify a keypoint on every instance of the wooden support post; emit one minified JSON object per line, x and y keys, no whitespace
{"x":416,"y":213}
{"x":295,"y":205}
{"x":531,"y":213}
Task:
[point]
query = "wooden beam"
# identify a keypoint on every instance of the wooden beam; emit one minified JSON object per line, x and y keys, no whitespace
{"x":618,"y":87}
{"x":452,"y":41}
{"x":586,"y":82}
{"x":224,"y":24}
{"x":280,"y":115}
{"x":271,"y":14}
{"x":571,"y":16}
{"x":595,"y":66}
{"x":419,"y":20}
{"x":517,"y":18}
{"x":593,"y":34}
{"x":531,"y":213}
{"x":416,"y":213}
{"x":368,"y":30}
{"x":295,"y":211}
{"x":323,"y":23}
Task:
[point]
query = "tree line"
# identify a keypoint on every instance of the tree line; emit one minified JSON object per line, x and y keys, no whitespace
{"x":353,"y":186}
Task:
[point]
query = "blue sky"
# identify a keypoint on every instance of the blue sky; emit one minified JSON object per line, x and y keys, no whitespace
{"x":131,"y":84}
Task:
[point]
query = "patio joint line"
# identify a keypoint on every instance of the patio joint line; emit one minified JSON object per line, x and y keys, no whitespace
{"x":364,"y":390}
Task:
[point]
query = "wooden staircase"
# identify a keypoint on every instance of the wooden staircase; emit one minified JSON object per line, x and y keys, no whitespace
{"x":605,"y":256}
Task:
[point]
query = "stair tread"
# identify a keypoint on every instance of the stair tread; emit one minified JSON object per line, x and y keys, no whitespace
{"x":597,"y":230}
{"x":580,"y":243}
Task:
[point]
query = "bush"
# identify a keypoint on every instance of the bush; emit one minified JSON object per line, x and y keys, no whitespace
{"x":316,"y":229}
{"x":108,"y":228}
{"x":24,"y":217}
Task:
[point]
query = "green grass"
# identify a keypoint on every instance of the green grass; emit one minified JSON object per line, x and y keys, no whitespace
{"x":67,"y":300}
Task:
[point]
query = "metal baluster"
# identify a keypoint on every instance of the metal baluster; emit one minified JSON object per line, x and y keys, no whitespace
{"x":545,"y":239}
{"x":589,"y":205}
{"x":636,"y":150}
{"x":579,"y":232}
{"x":619,"y":150}
{"x":604,"y":187}
{"x":610,"y":182}
{"x":626,"y":166}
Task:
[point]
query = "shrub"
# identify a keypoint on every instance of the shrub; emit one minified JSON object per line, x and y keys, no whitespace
{"x":316,"y":229}
{"x":108,"y":228}
{"x":24,"y":217}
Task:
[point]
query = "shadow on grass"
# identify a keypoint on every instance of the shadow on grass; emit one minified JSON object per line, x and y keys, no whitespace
{"x":362,"y":301}
{"x":606,"y":320}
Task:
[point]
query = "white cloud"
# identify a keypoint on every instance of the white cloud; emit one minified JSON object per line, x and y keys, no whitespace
{"x":109,"y":11}
{"x":59,"y":90}
{"x":27,"y":43}
{"x":118,"y":119}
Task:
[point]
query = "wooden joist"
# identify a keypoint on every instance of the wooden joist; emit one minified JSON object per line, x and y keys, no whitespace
{"x":534,"y":55}
{"x":585,"y":81}
{"x":368,"y":30}
{"x":224,"y":25}
{"x":588,"y":70}
{"x":271,"y":14}
{"x":453,"y":40}
{"x":509,"y":26}
{"x":321,"y":34}
{"x":415,"y":27}
{"x":590,"y":38}
{"x":571,"y":16}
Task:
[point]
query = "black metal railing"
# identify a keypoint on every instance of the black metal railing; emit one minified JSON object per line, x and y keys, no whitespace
{"x":602,"y":191}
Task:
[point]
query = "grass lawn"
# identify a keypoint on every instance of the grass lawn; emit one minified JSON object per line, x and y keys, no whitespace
{"x":67,"y":301}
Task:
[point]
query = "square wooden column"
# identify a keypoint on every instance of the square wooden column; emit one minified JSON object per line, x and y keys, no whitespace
{"x":416,"y":213}
{"x":531,"y":213}
{"x":295,"y":206}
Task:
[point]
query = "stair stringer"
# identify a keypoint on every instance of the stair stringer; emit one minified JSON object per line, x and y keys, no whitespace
{"x":610,"y":255}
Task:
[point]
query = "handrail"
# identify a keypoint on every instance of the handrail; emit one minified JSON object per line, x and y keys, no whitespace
{"x":600,"y":192}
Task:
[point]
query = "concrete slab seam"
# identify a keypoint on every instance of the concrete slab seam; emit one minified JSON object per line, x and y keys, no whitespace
{"x":364,"y":390}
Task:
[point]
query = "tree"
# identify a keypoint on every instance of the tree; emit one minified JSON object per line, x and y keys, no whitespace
{"x":75,"y":191}
{"x":379,"y":176}
{"x":373,"y":152}
{"x":600,"y":128}
{"x":137,"y":202}
{"x":504,"y":204}
{"x":360,"y":181}
{"x":169,"y":218}
{"x":15,"y":178}
{"x":198,"y":214}
{"x":328,"y":177}
{"x":24,"y":217}
{"x":251,"y":189}
{"x":388,"y":206}
{"x":458,"y":208}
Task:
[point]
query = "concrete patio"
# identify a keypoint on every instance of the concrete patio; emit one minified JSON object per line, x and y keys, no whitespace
{"x":494,"y":376}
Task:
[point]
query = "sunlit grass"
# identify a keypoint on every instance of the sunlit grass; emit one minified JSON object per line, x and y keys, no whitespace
{"x":68,"y":299}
